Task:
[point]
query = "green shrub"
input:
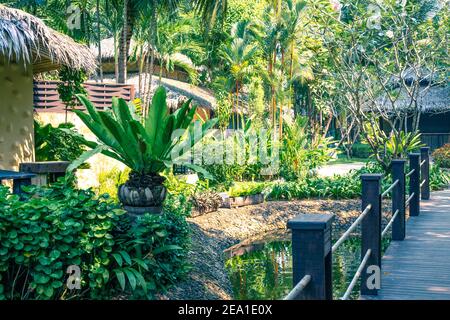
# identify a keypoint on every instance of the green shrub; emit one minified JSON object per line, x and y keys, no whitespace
{"x":442,"y":156}
{"x":439,"y":179}
{"x":337,"y":187}
{"x":57,"y":226}
{"x":109,"y":182}
{"x":343,"y":186}
{"x":361,"y":150}
{"x":246,"y":188}
{"x":62,"y":143}
{"x":300,"y":154}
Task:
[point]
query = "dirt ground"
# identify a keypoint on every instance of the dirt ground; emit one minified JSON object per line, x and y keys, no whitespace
{"x":214,"y":232}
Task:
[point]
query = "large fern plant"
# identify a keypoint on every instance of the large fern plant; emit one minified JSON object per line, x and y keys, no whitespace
{"x":143,"y":145}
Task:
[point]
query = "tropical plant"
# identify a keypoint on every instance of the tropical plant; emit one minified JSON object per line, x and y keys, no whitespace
{"x":70,"y":84}
{"x":62,"y":143}
{"x":145,"y":147}
{"x":246,"y":188}
{"x":58,"y":226}
{"x":238,"y":56}
{"x":300,"y":154}
{"x":439,"y":178}
{"x":393,"y":146}
{"x":442,"y":156}
{"x":171,"y":42}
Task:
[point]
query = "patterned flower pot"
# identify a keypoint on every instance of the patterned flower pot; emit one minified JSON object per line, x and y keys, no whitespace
{"x":142,"y":194}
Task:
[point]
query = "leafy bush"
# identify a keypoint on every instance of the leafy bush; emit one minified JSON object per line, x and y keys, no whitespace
{"x":361,"y":150}
{"x":299,"y":153}
{"x":343,"y":186}
{"x":224,"y":172}
{"x":442,"y":156}
{"x":246,"y":188}
{"x":62,"y":143}
{"x":57,"y":226}
{"x":110,"y":180}
{"x":439,"y":179}
{"x":338,"y":187}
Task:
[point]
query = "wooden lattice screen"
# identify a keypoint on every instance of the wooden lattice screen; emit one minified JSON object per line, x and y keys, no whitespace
{"x":46,"y":94}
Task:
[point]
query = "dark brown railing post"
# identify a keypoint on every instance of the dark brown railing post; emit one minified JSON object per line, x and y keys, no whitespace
{"x":414,"y":184}
{"x":425,"y":172}
{"x":311,"y":254}
{"x":371,"y":228}
{"x":398,"y":199}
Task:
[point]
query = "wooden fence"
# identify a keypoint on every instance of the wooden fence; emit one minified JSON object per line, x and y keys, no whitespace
{"x":46,"y":96}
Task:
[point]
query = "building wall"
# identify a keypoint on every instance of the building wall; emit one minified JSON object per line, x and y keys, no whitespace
{"x":434,"y":128}
{"x":16,"y":115}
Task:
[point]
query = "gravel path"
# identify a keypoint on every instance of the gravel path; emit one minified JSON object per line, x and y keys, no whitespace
{"x":214,"y":232}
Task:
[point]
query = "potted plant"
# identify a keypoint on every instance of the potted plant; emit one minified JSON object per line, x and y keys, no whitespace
{"x":144,"y":145}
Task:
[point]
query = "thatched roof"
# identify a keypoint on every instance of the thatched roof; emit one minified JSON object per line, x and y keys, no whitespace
{"x":431,"y":99}
{"x":175,"y":90}
{"x":202,"y":96}
{"x":24,"y":37}
{"x":107,"y":46}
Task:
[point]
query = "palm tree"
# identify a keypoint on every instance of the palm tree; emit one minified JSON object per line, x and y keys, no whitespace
{"x":132,"y":10}
{"x":173,"y":40}
{"x":269,"y":37}
{"x":211,"y":11}
{"x":292,"y":24}
{"x":238,"y":56}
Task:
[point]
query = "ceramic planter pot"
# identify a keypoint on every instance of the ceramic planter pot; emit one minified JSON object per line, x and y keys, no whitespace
{"x":142,"y":194}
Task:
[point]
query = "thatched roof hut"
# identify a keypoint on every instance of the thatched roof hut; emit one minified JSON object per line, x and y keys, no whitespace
{"x":433,"y":102}
{"x":28,"y":47}
{"x":430,"y":99}
{"x":25,"y":38}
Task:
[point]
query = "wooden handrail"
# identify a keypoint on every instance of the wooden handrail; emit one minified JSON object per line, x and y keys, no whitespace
{"x":311,"y":234}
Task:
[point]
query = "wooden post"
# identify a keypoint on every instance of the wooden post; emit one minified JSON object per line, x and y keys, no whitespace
{"x":311,"y":254}
{"x":46,"y":171}
{"x":414,"y":184}
{"x":425,"y":172}
{"x":371,"y":227}
{"x":398,"y":199}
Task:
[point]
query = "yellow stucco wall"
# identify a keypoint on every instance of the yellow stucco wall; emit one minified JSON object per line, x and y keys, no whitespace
{"x":16,"y":115}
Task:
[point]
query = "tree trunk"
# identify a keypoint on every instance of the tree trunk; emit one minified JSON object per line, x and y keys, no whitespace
{"x":125,"y":39}
{"x":100,"y":67}
{"x":116,"y":59}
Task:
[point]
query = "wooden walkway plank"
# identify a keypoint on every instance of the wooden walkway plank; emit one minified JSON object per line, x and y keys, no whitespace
{"x":418,"y":268}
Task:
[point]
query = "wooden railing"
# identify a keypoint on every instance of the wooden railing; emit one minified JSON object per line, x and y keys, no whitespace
{"x":312,"y":233}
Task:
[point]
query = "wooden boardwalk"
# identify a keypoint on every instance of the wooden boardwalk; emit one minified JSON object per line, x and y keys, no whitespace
{"x":418,"y":268}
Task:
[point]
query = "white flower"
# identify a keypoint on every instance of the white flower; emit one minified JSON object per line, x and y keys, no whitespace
{"x":336,"y":5}
{"x":390,"y":34}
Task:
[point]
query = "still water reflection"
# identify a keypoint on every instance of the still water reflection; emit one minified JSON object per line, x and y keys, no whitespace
{"x":263,"y":269}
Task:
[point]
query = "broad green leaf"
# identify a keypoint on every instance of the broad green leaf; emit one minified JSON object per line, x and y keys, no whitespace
{"x":120,"y":277}
{"x":166,"y":248}
{"x":157,"y":115}
{"x":118,"y":258}
{"x":131,"y":278}
{"x":126,"y":257}
{"x":84,"y":157}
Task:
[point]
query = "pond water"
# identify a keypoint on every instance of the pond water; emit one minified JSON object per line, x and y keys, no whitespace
{"x":262,"y":269}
